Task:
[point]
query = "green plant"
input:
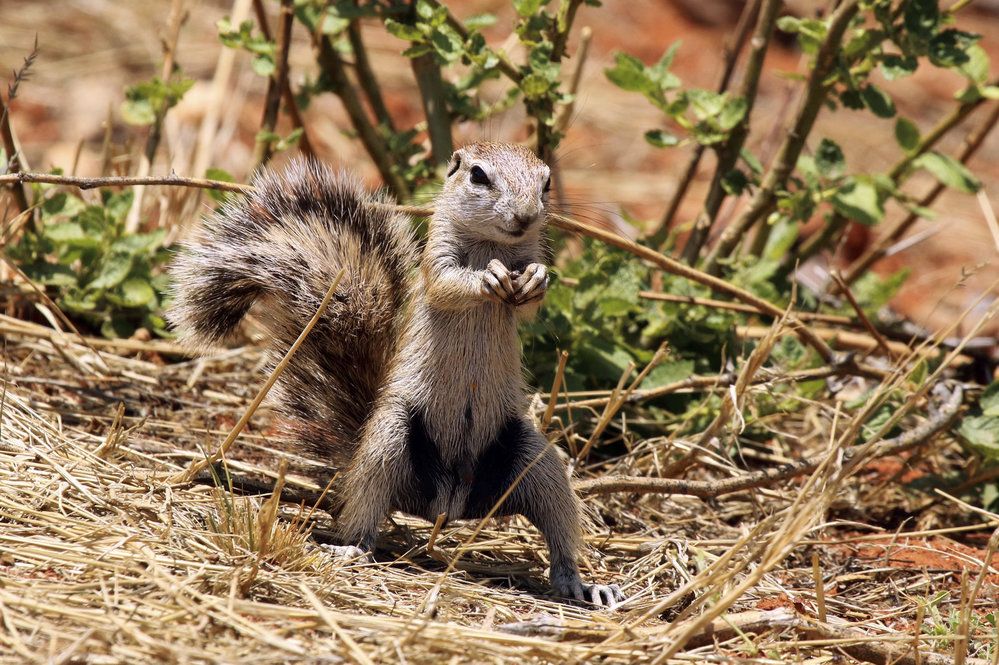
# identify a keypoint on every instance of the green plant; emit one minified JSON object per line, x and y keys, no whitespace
{"x":846,"y":49}
{"x":92,"y":268}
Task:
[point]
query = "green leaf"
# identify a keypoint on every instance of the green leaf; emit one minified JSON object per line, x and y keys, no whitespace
{"x":921,"y":17}
{"x":829,"y":160}
{"x":896,"y":66}
{"x":989,"y":401}
{"x":117,"y":327}
{"x":950,"y":48}
{"x":479,"y":21}
{"x":858,"y":200}
{"x":981,"y":434}
{"x":138,"y":112}
{"x":877,"y":101}
{"x":734,"y":182}
{"x":139,"y":243}
{"x":50,"y":274}
{"x":66,"y":232}
{"x":628,"y":73}
{"x":668,"y":372}
{"x":113,"y":272}
{"x":948,"y":171}
{"x":783,"y":234}
{"x":732,"y":113}
{"x":789,"y":24}
{"x":410,"y":33}
{"x":137,"y":292}
{"x":527,"y":8}
{"x":976,"y":69}
{"x":751,"y":161}
{"x":907,"y":134}
{"x":263,"y":65}
{"x":661,"y":139}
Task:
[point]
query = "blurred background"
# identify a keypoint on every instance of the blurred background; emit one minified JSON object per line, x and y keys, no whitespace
{"x":68,"y":115}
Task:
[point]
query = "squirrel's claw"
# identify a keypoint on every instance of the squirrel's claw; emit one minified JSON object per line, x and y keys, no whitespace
{"x":533,"y":284}
{"x":601,"y":595}
{"x":498,"y":283}
{"x":491,"y":288}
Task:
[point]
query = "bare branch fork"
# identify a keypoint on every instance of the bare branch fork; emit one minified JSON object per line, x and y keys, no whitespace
{"x":787,"y":156}
{"x":733,"y":47}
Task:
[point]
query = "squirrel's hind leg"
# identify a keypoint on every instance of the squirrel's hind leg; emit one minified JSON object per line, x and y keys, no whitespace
{"x":372,"y":481}
{"x":545,"y":498}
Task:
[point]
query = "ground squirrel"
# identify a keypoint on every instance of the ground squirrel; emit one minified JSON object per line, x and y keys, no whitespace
{"x":412,"y":381}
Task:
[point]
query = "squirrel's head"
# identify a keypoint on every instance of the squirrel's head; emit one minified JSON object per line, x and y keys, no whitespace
{"x":496,"y":191}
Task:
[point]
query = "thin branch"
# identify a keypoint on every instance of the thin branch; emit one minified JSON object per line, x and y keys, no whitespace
{"x":433,"y":96}
{"x":290,"y":103}
{"x":728,"y":152}
{"x":971,"y":145}
{"x":366,"y":76}
{"x":16,"y":162}
{"x":565,"y":115}
{"x":736,"y":306}
{"x":818,"y":87}
{"x":123,"y":181}
{"x":942,"y":417}
{"x":861,"y":316}
{"x":675,"y":267}
{"x":275,"y":85}
{"x":336,"y":73}
{"x":732,"y":48}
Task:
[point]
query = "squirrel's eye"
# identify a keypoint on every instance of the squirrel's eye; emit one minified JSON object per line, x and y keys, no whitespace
{"x":548,"y":185}
{"x":479,"y":176}
{"x":455,"y":167}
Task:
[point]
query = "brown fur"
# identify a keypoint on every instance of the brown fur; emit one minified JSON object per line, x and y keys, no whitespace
{"x":443,"y":426}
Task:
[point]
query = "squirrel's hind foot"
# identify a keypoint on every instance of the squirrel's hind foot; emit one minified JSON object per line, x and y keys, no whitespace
{"x":349,"y":553}
{"x":601,"y":595}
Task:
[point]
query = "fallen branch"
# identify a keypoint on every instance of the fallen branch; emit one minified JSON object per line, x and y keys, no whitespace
{"x":173,"y":180}
{"x":940,"y":419}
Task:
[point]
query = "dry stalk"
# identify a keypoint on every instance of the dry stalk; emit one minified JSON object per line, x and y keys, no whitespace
{"x":546,"y":419}
{"x":200,"y":465}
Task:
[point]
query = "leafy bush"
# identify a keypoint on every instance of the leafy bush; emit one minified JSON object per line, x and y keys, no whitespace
{"x":98,"y":273}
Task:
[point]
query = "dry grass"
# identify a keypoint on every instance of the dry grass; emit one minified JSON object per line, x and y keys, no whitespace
{"x":101,"y":559}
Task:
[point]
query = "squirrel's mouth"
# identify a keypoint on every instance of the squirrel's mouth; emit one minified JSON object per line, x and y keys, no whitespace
{"x":516,"y":233}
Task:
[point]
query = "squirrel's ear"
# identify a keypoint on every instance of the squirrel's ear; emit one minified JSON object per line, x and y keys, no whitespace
{"x":455,"y":164}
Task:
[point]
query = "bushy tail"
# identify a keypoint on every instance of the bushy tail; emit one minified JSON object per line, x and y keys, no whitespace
{"x":280,"y":248}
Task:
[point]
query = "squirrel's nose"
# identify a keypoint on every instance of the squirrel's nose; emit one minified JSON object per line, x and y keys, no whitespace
{"x":523,"y":221}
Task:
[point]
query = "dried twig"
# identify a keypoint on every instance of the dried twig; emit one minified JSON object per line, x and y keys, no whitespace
{"x":124,"y":181}
{"x":290,"y":103}
{"x":944,"y":415}
{"x":15,"y":161}
{"x":275,"y":86}
{"x":728,"y":152}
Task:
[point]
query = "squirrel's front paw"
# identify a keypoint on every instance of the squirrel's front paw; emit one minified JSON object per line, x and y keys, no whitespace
{"x":498,"y":282}
{"x":532,"y":284}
